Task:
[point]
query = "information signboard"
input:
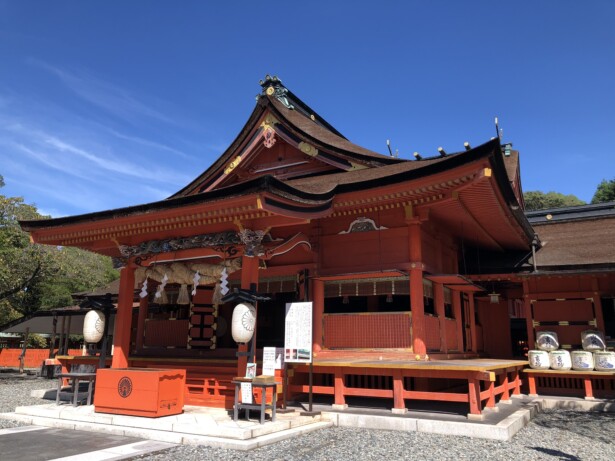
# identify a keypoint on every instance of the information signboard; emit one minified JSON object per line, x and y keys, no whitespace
{"x":298,"y":333}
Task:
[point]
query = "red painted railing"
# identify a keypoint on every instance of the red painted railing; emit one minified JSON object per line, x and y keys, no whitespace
{"x":34,"y":357}
{"x":450,"y":327}
{"x":432,"y":333}
{"x":166,"y":333}
{"x":367,"y":330}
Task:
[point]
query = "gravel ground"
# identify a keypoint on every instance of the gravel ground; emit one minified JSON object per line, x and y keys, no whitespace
{"x":552,"y":435}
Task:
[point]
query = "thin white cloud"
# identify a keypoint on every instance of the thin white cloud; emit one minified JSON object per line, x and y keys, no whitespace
{"x":112,"y":98}
{"x":148,"y":143}
{"x":108,"y":162}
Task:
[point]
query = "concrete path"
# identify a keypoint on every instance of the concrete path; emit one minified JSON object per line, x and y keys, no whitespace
{"x":196,"y":425}
{"x":36,"y":443}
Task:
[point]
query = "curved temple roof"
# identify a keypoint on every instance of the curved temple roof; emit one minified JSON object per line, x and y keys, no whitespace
{"x":329,"y":166}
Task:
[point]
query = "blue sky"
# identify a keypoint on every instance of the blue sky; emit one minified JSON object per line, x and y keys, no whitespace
{"x":110,"y":104}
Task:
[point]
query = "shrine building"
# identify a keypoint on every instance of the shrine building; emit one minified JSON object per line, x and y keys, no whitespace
{"x":423,"y":274}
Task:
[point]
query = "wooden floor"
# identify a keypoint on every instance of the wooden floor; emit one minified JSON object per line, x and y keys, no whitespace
{"x":397,"y":375}
{"x":406,"y":360}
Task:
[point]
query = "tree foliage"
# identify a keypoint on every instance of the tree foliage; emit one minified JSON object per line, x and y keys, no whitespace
{"x":35,"y":277}
{"x":537,"y":200}
{"x":605,"y":192}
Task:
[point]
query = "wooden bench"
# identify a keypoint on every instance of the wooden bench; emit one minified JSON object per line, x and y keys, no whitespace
{"x":561,"y":380}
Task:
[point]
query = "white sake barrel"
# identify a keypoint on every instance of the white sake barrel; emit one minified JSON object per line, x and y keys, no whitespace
{"x":539,"y":360}
{"x":604,"y":361}
{"x":582,"y":360}
{"x":560,"y":360}
{"x":93,"y":326}
{"x":593,"y":340}
{"x":547,"y":341}
{"x":243,"y":322}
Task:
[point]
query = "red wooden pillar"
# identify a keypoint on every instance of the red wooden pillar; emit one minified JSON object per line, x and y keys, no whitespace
{"x":527,"y":307}
{"x":587,"y":384}
{"x":416,"y":288}
{"x":438,"y":298}
{"x":597,"y":304}
{"x":472,"y":316}
{"x":474,"y":397}
{"x":123,"y":318}
{"x":456,"y":295}
{"x":339,"y":388}
{"x":318,"y":300}
{"x":503,"y":378}
{"x":143,"y":309}
{"x":249,"y":276}
{"x":531,"y":381}
{"x":399,"y":404}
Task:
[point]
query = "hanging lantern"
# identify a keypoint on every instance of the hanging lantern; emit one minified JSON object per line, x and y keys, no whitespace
{"x":243,"y":322}
{"x":93,"y":326}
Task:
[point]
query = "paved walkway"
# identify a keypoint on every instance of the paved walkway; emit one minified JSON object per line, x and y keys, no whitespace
{"x":36,"y":443}
{"x":196,"y":425}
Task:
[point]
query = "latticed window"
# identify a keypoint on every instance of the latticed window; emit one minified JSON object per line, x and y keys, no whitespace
{"x":371,"y":294}
{"x":448,"y":303}
{"x":428,"y":302}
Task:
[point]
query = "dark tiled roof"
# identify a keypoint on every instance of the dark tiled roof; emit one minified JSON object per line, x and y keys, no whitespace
{"x":577,"y":243}
{"x":325,"y":136}
{"x":326,"y":183}
{"x":571,"y":213}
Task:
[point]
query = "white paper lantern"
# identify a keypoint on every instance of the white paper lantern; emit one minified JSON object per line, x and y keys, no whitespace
{"x":243,"y":323}
{"x":93,"y":326}
{"x":539,"y":360}
{"x":604,"y":361}
{"x":547,"y":341}
{"x":582,"y":360}
{"x":560,"y":360}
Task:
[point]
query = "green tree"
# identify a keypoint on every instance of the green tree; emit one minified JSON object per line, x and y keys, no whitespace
{"x":537,"y":200}
{"x":33,"y":276}
{"x":605,"y":192}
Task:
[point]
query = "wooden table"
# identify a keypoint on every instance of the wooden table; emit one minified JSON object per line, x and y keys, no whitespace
{"x":74,"y":387}
{"x":263,"y":406}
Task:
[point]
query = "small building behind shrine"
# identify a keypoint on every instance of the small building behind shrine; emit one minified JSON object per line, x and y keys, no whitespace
{"x":403,"y":260}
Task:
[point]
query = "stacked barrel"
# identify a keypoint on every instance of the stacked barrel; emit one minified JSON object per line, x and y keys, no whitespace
{"x":593,"y":356}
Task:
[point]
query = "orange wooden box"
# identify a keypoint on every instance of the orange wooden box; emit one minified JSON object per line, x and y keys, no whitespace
{"x":146,"y":392}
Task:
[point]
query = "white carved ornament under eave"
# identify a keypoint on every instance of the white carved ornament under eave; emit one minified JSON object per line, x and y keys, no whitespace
{"x":362,"y":225}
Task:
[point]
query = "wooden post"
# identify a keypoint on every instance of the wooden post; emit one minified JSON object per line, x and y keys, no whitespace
{"x":61,"y":341}
{"x":318,"y":297}
{"x":597,"y":305}
{"x":67,"y":336}
{"x":399,"y":404}
{"x":491,"y":400}
{"x":474,"y":396}
{"x":531,"y":380}
{"x":143,"y":311}
{"x":527,"y":307}
{"x":416,"y":288}
{"x":339,"y":388}
{"x":22,"y":357}
{"x":123,"y":318}
{"x":505,"y":386}
{"x":472,"y":316}
{"x":249,"y":277}
{"x":438,"y":298}
{"x":52,"y":342}
{"x":587,"y":384}
{"x":456,"y":295}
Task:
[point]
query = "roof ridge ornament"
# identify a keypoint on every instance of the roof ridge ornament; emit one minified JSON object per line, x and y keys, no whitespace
{"x":272,"y":86}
